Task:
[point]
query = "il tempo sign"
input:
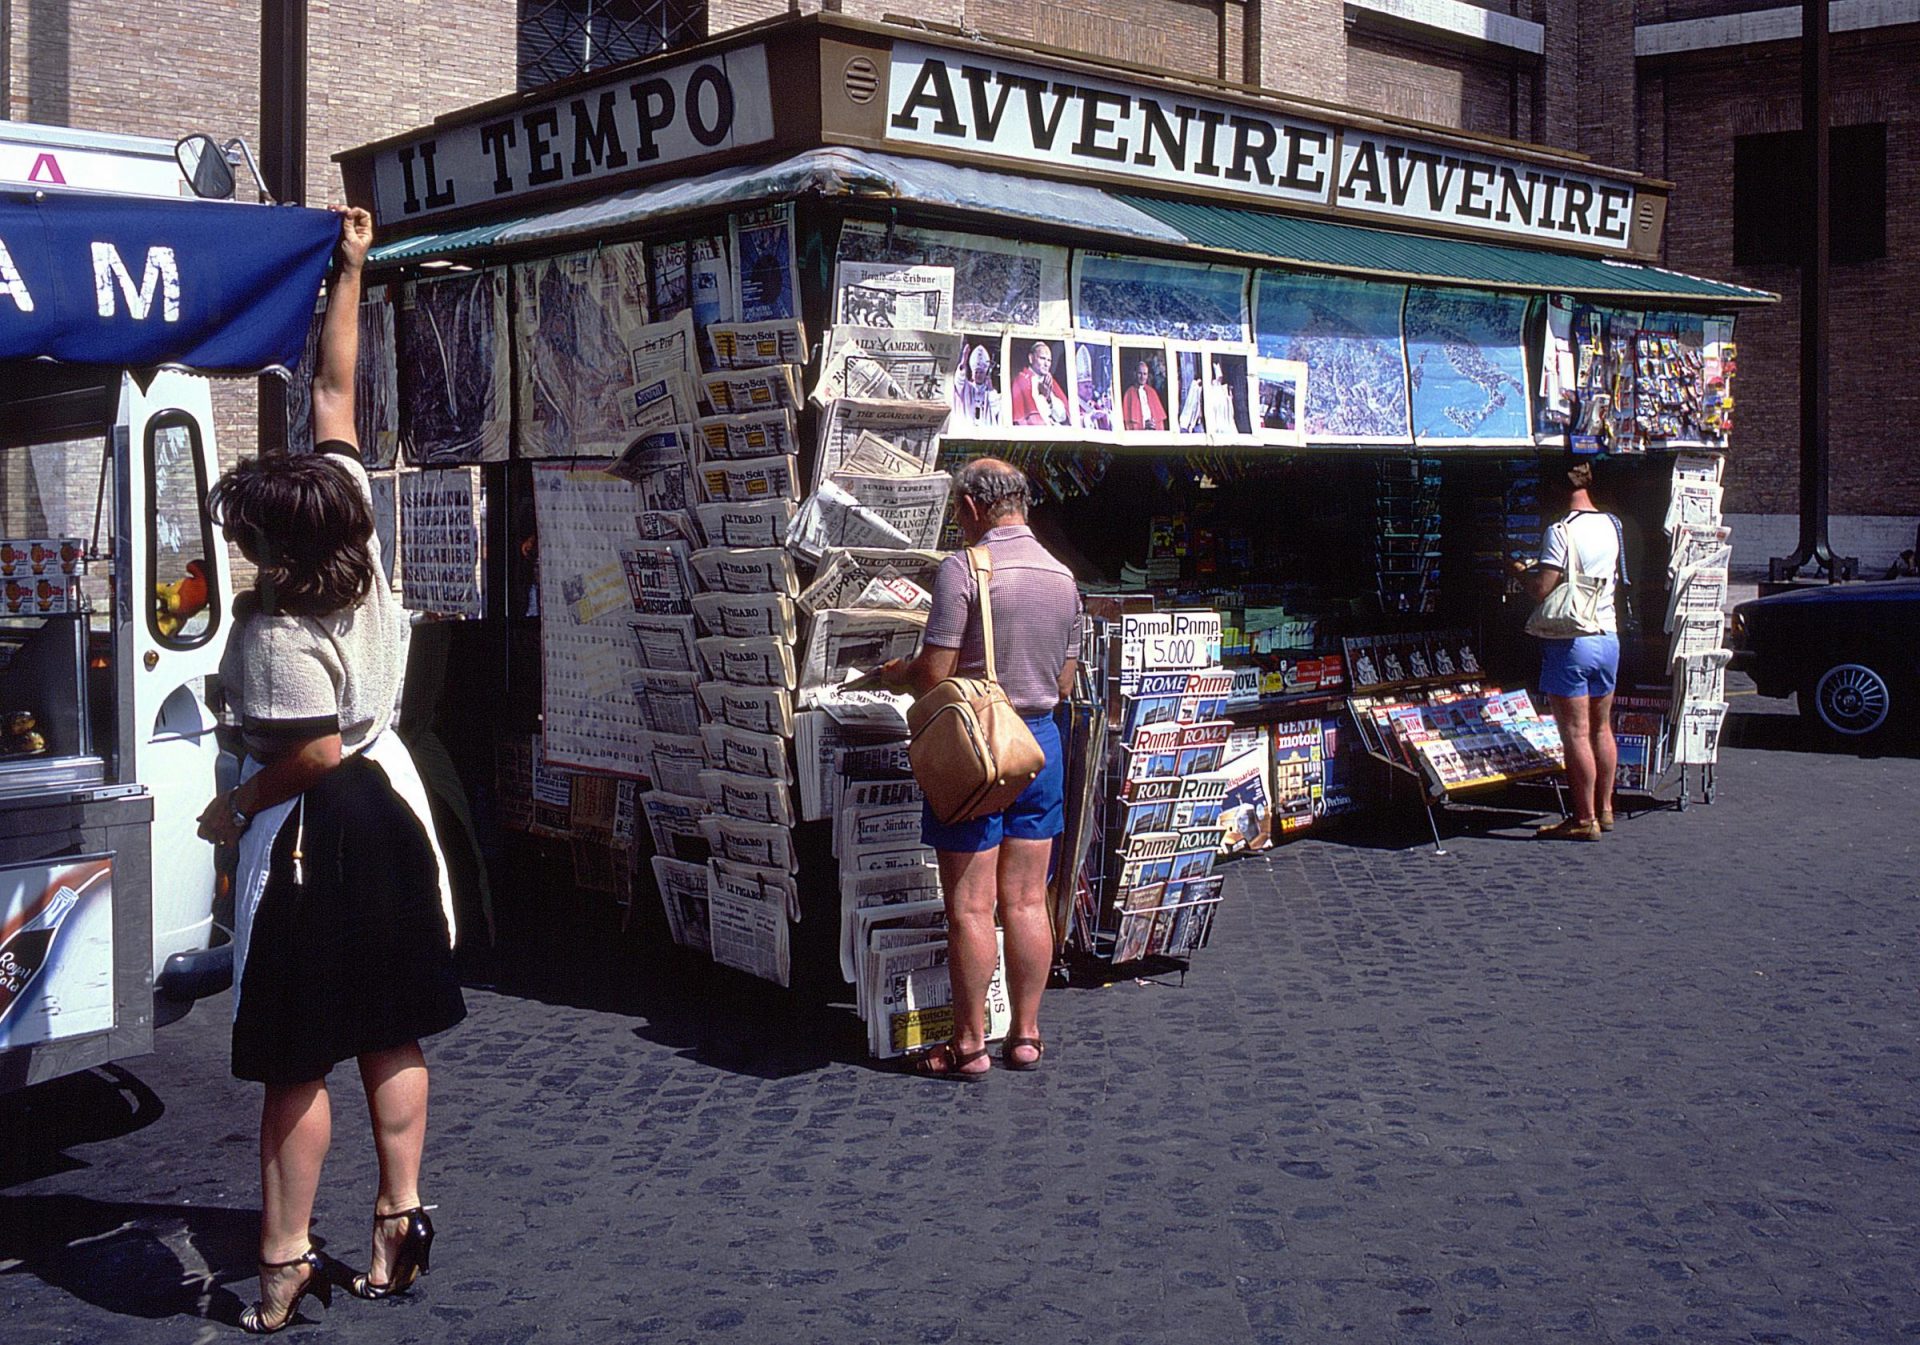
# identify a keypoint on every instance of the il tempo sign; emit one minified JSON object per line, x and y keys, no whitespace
{"x":644,"y":119}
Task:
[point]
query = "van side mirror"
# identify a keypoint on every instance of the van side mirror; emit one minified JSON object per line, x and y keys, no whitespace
{"x":206,"y":168}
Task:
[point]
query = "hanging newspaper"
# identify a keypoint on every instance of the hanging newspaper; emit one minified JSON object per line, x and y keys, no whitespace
{"x":667,"y":525}
{"x":844,"y":574}
{"x":749,"y":345}
{"x":683,"y":896}
{"x":1697,"y":733}
{"x":887,"y":294}
{"x":911,"y":427}
{"x":663,"y":347}
{"x":673,"y":762}
{"x":766,"y":661}
{"x":844,"y":643}
{"x":756,"y":843}
{"x":914,"y":506}
{"x":1693,"y":504}
{"x":774,"y":887}
{"x":872,"y":711}
{"x":741,"y":616}
{"x":746,"y":752}
{"x":665,"y":642}
{"x":442,"y":524}
{"x":916,"y":363}
{"x":588,"y":657}
{"x":876,"y":457}
{"x":748,"y":797}
{"x":833,"y":518}
{"x":764,"y":569}
{"x":658,"y":401}
{"x":1698,"y":635}
{"x":770,"y":478}
{"x":770,"y":387}
{"x":661,"y":464}
{"x":759,"y":523}
{"x":1698,"y":593}
{"x":674,"y":823}
{"x":1707,"y":547}
{"x":879,"y":815}
{"x":749,"y":935}
{"x":910,"y":1000}
{"x":658,"y":577}
{"x":1700,"y":679}
{"x":767,"y":280}
{"x":754,"y":434}
{"x":756,"y":709}
{"x":666,"y":701}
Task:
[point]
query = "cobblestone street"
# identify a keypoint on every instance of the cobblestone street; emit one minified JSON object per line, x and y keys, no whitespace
{"x":1663,"y":1088}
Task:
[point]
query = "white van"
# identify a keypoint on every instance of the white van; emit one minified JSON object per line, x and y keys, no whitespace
{"x":115,"y":587}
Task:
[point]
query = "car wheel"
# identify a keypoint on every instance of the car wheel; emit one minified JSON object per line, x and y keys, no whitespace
{"x":1850,"y":700}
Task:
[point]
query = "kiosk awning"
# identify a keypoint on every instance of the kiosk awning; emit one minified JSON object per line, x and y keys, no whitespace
{"x":1253,"y":236}
{"x":211,"y":286}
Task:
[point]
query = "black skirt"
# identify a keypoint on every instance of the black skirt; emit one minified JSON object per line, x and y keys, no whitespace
{"x":350,"y":955}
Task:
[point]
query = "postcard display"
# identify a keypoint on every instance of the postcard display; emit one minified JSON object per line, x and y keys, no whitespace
{"x":1696,"y":616}
{"x":1421,"y":706}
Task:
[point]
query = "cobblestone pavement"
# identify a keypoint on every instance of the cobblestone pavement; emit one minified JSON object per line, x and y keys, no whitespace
{"x":1659,"y":1089}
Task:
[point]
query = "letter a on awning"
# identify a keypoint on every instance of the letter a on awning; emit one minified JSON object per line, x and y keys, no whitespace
{"x":211,"y":286}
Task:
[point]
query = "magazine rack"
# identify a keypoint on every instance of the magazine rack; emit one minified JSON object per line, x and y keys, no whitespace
{"x":1422,"y":709}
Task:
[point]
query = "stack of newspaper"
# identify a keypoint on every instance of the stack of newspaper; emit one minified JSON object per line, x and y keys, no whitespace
{"x":714,"y":625}
{"x":1700,"y":557}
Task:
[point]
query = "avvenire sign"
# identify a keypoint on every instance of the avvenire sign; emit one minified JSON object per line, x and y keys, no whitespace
{"x":650,"y":117}
{"x":982,"y":105}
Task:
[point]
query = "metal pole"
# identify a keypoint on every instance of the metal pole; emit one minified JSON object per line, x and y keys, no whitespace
{"x":283,"y":155}
{"x":1815,"y":330}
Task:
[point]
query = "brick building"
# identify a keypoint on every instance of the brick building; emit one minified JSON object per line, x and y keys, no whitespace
{"x":1680,"y":89}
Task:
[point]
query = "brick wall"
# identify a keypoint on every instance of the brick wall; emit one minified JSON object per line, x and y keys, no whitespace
{"x":1875,"y":306}
{"x":1445,"y":88}
{"x":375,"y":67}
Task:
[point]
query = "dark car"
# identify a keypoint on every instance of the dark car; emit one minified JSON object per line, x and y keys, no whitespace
{"x":1851,"y":652}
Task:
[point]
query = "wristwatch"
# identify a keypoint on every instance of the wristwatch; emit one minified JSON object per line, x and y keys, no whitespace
{"x":241,"y":818}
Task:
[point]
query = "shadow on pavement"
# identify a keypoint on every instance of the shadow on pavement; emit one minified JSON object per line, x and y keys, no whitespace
{"x":1771,"y":730}
{"x":136,"y":1260}
{"x":38,"y":1124}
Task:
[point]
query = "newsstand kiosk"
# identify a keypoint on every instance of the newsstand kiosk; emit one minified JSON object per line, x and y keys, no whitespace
{"x":683,"y":351}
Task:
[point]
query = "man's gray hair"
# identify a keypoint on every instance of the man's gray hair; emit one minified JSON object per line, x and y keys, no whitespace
{"x":994,"y":486}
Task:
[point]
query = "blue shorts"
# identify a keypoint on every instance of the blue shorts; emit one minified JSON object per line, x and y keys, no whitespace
{"x":1583,"y":666}
{"x":1039,"y":814}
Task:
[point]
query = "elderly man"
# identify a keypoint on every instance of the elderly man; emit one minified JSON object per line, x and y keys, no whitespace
{"x":1000,"y":861}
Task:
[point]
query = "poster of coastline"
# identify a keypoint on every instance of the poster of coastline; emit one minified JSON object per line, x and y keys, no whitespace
{"x":455,"y":340}
{"x":1467,"y":365}
{"x":996,"y":281}
{"x":1182,"y":301}
{"x":376,"y":391}
{"x":1347,"y":333}
{"x":575,"y":316}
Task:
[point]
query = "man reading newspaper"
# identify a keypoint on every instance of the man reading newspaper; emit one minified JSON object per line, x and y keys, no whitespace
{"x":999,"y":861}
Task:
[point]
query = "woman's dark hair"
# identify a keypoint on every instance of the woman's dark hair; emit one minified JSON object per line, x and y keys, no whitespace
{"x":303,"y":522}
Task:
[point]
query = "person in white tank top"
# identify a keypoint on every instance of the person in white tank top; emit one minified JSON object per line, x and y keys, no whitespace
{"x":1578,"y":674}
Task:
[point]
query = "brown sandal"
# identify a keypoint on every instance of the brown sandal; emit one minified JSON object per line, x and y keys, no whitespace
{"x":954,"y":1067}
{"x":1013,"y":1062}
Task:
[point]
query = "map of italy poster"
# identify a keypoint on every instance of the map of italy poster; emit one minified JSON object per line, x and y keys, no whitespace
{"x":1347,"y":333}
{"x":1467,"y":366}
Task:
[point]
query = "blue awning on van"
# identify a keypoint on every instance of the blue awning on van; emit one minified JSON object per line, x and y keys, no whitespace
{"x":995,"y":202}
{"x":211,"y":286}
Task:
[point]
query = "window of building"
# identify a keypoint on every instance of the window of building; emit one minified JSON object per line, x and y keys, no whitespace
{"x":1770,"y":218}
{"x":561,"y":38}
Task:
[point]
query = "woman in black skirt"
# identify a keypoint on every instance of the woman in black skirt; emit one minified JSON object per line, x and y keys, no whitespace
{"x":342,"y":924}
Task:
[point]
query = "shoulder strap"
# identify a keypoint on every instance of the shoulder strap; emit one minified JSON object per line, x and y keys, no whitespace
{"x":980,"y":560}
{"x":1621,"y":567}
{"x":1566,"y":544}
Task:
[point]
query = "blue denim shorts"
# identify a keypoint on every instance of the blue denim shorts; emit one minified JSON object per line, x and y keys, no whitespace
{"x":1039,"y":814}
{"x":1583,"y":666}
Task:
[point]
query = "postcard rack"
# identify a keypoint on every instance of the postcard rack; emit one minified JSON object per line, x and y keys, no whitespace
{"x":1422,"y":709}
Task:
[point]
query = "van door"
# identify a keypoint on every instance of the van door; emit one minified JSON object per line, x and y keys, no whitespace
{"x":174,"y":616}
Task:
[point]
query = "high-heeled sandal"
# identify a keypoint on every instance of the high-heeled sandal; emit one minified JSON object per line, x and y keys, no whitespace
{"x":408,"y":1261}
{"x":253,"y":1320}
